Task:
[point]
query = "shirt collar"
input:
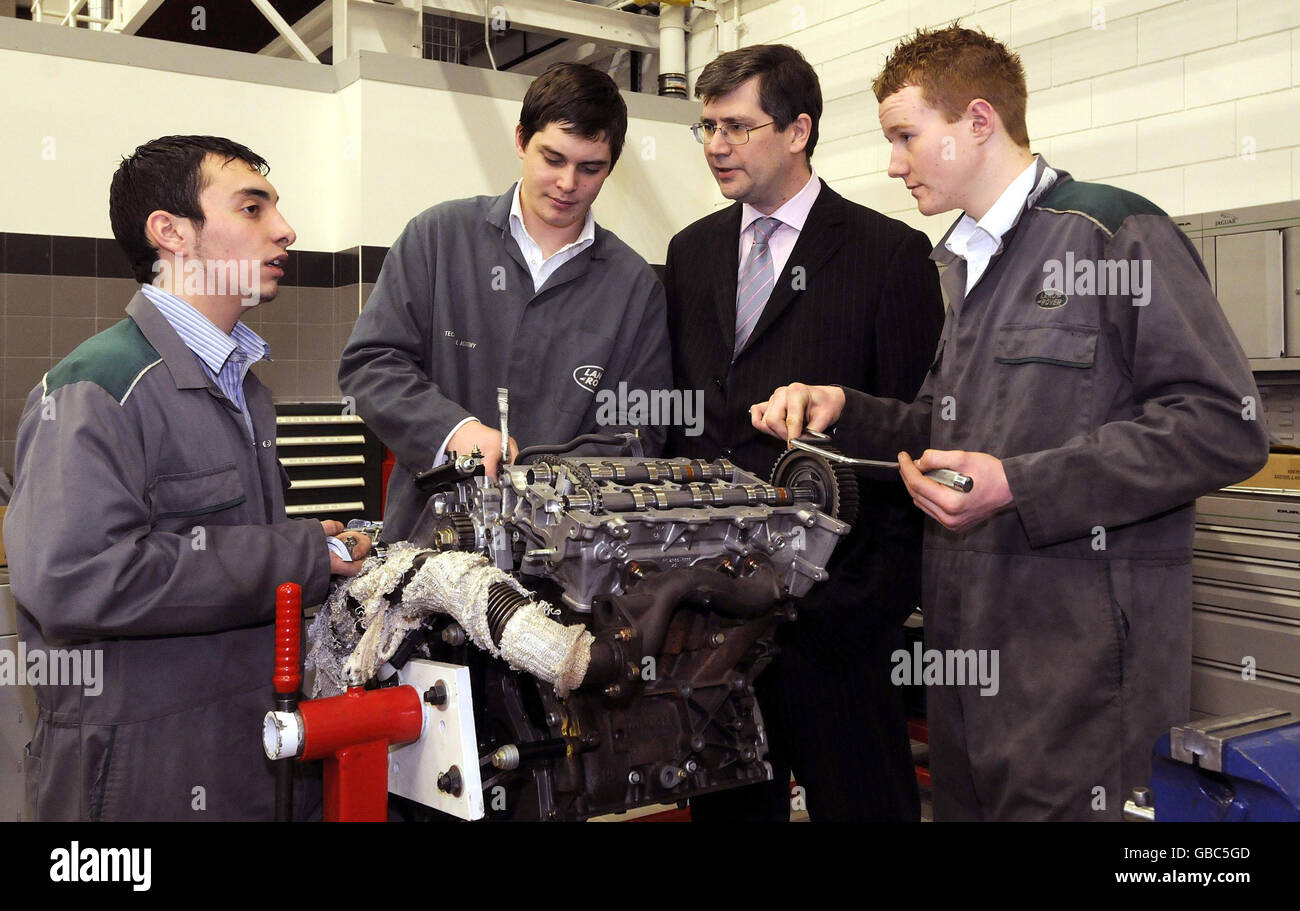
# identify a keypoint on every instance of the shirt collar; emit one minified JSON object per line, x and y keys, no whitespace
{"x":202,"y":336}
{"x":517,"y":218}
{"x":997,"y":221}
{"x":793,"y":213}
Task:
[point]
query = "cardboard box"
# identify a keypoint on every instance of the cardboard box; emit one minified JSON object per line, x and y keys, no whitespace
{"x":1281,"y":473}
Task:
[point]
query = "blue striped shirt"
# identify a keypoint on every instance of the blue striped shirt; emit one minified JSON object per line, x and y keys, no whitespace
{"x":225,"y":358}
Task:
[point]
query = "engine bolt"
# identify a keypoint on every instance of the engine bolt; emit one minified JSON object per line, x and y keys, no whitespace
{"x":622,"y":634}
{"x":436,"y":694}
{"x":717,"y":639}
{"x":634,"y":777}
{"x":613,"y":691}
{"x":450,"y":782}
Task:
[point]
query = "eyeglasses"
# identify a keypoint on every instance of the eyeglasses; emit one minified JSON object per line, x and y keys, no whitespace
{"x":732,"y":135}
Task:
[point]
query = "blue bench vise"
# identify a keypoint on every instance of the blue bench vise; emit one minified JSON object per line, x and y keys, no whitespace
{"x":1230,"y":768}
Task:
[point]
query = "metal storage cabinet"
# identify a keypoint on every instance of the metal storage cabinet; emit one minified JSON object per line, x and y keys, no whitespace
{"x":1246,"y":603}
{"x":333,"y":461}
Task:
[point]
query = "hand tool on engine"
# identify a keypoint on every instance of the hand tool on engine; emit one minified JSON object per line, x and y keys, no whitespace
{"x":945,"y":476}
{"x":503,"y":406}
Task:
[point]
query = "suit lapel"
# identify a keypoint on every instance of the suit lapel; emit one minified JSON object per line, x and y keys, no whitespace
{"x":726,"y":253}
{"x":819,"y":240}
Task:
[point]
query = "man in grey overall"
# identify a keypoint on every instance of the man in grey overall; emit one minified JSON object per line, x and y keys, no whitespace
{"x":523,"y":291}
{"x":1088,"y":383}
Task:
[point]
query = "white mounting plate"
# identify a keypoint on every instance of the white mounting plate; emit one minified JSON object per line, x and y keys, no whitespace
{"x":447,"y":739}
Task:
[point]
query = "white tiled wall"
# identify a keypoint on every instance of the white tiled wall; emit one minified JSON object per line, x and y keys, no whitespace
{"x":1192,"y":103}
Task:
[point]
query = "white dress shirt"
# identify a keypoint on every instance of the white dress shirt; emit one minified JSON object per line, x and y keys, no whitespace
{"x":978,"y":242}
{"x":543,"y":267}
{"x":792,"y":216}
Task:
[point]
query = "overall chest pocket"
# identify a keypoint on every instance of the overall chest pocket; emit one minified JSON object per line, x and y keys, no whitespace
{"x":194,"y":494}
{"x":1045,"y":378}
{"x":585,"y":361}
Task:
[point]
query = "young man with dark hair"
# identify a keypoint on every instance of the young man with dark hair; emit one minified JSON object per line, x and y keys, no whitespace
{"x":795,"y":280}
{"x":147,"y":532}
{"x":523,"y":291}
{"x":1088,"y":383}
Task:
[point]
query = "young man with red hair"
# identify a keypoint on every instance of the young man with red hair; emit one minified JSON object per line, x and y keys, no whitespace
{"x":1086,"y":379}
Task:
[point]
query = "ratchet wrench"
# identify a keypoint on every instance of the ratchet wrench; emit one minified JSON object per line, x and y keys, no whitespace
{"x":945,"y":476}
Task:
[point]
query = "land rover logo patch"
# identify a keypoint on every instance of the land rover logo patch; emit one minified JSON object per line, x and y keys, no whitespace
{"x":1050,"y":300}
{"x":588,"y":376}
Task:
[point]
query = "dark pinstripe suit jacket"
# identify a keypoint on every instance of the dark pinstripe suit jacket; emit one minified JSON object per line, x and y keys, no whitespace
{"x":858,"y":304}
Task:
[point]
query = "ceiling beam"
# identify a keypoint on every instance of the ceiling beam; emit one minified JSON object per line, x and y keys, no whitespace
{"x":286,"y":30}
{"x":133,"y":14}
{"x":315,"y":29}
{"x":564,"y":19}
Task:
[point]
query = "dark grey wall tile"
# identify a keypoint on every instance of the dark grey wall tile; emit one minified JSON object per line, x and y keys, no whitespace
{"x":67,"y":332}
{"x":7,"y":456}
{"x":73,"y":295}
{"x":110,"y":261}
{"x":316,"y":305}
{"x":372,"y":260}
{"x":284,"y":309}
{"x":113,"y":295}
{"x":28,"y":295}
{"x":28,"y":254}
{"x":10,"y":411}
{"x":315,"y":270}
{"x":347,"y":304}
{"x":318,"y":380}
{"x":315,"y":342}
{"x":26,"y":336}
{"x":21,"y":374}
{"x":286,"y":387}
{"x":341,"y":336}
{"x":73,"y":256}
{"x":347,"y":266}
{"x":283,"y":339}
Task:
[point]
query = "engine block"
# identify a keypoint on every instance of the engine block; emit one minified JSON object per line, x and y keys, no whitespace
{"x":678,"y":570}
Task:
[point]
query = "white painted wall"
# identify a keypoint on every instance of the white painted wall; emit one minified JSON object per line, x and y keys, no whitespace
{"x":351,"y":166}
{"x":421,"y":147}
{"x":68,"y":125}
{"x":1194,"y":104}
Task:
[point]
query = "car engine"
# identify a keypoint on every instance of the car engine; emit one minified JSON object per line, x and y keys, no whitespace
{"x":612,"y":612}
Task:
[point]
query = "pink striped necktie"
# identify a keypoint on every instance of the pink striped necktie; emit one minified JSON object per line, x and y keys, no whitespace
{"x":754,"y":286}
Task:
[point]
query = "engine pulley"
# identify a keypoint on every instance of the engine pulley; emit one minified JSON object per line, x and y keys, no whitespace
{"x":813,"y":479}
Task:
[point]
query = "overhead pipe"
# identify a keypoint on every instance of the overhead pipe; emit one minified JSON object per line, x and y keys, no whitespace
{"x":672,"y":50}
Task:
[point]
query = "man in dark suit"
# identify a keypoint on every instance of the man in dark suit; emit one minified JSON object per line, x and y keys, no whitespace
{"x":795,"y":280}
